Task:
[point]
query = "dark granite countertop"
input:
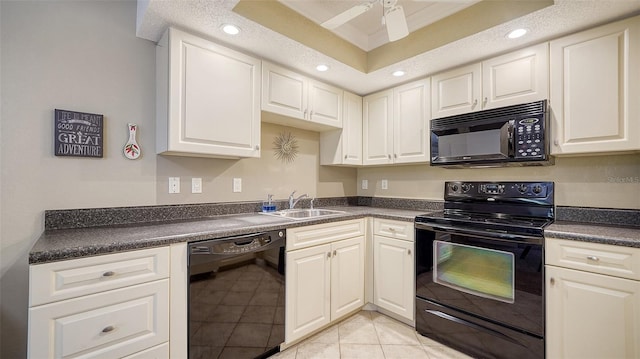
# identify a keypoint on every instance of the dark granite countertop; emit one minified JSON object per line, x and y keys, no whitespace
{"x":61,"y":244}
{"x":597,"y":233}
{"x":85,"y":232}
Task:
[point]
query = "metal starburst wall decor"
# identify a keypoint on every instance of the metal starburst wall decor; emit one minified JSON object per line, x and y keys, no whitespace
{"x":286,"y":147}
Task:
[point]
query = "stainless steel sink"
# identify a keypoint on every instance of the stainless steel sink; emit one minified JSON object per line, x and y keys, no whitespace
{"x":304,"y":213}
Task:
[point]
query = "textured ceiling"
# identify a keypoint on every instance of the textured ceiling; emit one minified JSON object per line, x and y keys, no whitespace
{"x":205,"y":17}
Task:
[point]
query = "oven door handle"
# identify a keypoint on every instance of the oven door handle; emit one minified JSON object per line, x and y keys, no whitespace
{"x":485,"y":234}
{"x":476,"y":326}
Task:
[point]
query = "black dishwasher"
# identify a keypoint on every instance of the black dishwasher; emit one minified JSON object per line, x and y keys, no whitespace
{"x":236,"y":296}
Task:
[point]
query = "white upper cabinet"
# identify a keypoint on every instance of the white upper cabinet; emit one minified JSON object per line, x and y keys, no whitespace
{"x":395,"y":125}
{"x":595,"y":77}
{"x":284,"y":92}
{"x":344,"y":147}
{"x":514,"y":78}
{"x":208,"y":99}
{"x":411,"y":122}
{"x":456,"y":91}
{"x":377,"y":126}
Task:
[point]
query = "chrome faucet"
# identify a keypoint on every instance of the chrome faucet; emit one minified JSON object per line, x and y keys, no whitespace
{"x":293,"y":201}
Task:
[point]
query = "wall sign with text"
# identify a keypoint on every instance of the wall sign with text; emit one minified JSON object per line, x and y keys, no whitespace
{"x":78,"y":134}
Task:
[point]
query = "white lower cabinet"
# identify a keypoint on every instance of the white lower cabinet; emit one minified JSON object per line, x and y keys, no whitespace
{"x":591,"y":313}
{"x":393,"y":268}
{"x":108,"y":306}
{"x":325,"y":281}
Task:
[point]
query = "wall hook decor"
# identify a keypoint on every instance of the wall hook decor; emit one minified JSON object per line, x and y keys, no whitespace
{"x":286,"y":147}
{"x":132,"y":149}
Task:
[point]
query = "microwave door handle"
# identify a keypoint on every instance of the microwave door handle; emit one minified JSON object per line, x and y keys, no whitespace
{"x":508,"y":146}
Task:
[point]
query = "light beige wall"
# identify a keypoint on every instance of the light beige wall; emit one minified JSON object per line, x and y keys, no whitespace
{"x":260,"y":176}
{"x":598,"y":181}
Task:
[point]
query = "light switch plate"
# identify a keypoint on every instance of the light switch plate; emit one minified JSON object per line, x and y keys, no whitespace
{"x":365,"y":184}
{"x":196,"y":185}
{"x":384,"y":184}
{"x":237,"y":185}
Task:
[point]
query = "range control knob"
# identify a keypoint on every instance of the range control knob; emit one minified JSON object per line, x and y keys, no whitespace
{"x":537,"y":189}
{"x":465,"y":187}
{"x":522,"y":188}
{"x":455,"y":187}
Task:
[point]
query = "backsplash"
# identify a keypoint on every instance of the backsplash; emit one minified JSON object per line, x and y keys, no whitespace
{"x":96,"y":217}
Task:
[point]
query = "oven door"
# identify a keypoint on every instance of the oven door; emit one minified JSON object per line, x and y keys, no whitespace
{"x":499,"y":279}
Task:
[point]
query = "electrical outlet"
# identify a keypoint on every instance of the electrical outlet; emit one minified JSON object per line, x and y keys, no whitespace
{"x":365,"y":184}
{"x":384,"y":184}
{"x":237,"y":185}
{"x":174,"y":184}
{"x":196,"y":185}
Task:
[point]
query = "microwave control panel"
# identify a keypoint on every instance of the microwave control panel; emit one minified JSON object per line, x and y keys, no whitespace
{"x":529,"y":138}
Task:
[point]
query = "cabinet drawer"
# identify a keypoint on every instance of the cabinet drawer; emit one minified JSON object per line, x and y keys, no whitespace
{"x":393,"y":229}
{"x":303,"y":237}
{"x":106,"y":325}
{"x":56,"y":281}
{"x":157,"y":352}
{"x":606,"y":259}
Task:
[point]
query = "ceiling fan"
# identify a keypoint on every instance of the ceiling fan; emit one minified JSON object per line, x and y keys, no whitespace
{"x":393,"y":17}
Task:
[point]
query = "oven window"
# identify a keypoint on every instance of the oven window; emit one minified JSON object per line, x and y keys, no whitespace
{"x":480,"y":271}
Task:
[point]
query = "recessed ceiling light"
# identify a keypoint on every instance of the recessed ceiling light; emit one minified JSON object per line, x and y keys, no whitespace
{"x":322,"y":68}
{"x":398,"y":73}
{"x":231,"y":29}
{"x":517,"y":33}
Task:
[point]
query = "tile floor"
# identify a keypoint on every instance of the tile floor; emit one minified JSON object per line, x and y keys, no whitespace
{"x":369,"y":335}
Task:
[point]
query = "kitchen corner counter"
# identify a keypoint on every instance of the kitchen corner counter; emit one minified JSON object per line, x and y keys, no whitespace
{"x":62,"y":244}
{"x":597,"y":233}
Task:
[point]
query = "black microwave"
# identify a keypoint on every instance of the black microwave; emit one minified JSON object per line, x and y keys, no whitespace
{"x":507,"y":136}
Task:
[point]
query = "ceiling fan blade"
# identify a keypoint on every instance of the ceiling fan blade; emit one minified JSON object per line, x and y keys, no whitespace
{"x":396,"y":23}
{"x":346,"y":16}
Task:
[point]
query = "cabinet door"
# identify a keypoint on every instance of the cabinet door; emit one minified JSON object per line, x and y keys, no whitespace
{"x":516,"y":78}
{"x":308,"y":289}
{"x":591,"y":315}
{"x":377,"y":128}
{"x":347,"y":277}
{"x":456,"y":91}
{"x":595,"y":86}
{"x":393,"y":276}
{"x":412,"y":113}
{"x":209,"y":87}
{"x":325,"y":104}
{"x":284,"y":92}
{"x":344,"y":147}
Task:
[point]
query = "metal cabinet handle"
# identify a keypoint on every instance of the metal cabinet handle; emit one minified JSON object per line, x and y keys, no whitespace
{"x":395,"y":155}
{"x":391,"y":229}
{"x":555,"y":142}
{"x":310,"y":115}
{"x":345,"y":157}
{"x":305,"y":114}
{"x":409,"y":251}
{"x":593,"y":258}
{"x":257,"y":147}
{"x":108,"y":329}
{"x":328,"y":254}
{"x":484,"y":102}
{"x":335,"y":253}
{"x":108,"y":274}
{"x":389,"y":156}
{"x":552,"y":281}
{"x":475,"y":103}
